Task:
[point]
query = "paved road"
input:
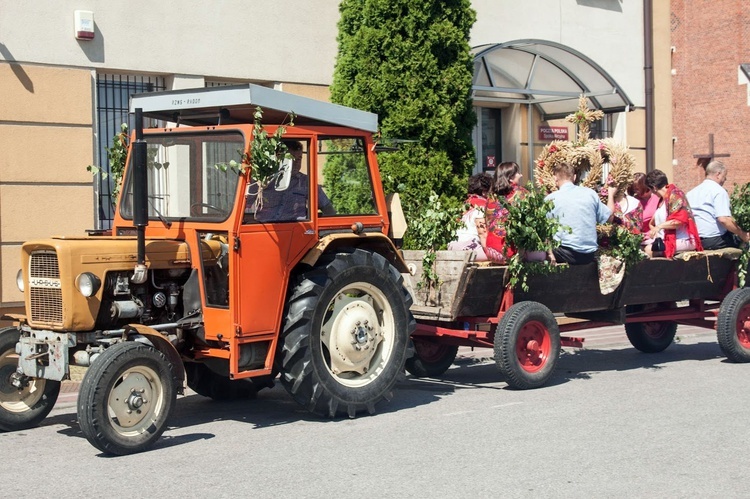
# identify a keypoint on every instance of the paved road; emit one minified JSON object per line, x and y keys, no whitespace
{"x":612,"y":423}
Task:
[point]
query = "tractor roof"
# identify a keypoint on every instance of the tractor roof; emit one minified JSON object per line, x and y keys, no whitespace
{"x":237,"y":103}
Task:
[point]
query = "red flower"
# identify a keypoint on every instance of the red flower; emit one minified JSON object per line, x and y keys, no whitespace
{"x":552,"y":149}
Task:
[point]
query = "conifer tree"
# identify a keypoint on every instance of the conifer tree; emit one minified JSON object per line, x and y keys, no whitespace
{"x":409,"y":61}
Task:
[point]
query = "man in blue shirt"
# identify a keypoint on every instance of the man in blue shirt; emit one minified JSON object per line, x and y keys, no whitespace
{"x":580,"y":209}
{"x":713,"y":216}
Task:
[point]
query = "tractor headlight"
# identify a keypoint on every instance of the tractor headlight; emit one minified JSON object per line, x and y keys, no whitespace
{"x":19,"y":280}
{"x":88,"y":284}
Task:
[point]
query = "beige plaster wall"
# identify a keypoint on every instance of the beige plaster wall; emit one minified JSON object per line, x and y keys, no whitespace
{"x":44,"y":94}
{"x":45,"y":145}
{"x":318,"y":92}
{"x":635,"y":137}
{"x":663,"y":88}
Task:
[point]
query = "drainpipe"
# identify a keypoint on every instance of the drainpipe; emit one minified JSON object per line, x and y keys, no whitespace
{"x":648,"y":28}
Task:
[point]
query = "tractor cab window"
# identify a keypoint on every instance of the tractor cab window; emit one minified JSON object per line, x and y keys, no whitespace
{"x":286,"y":198}
{"x":190,"y":176}
{"x":345,"y":175}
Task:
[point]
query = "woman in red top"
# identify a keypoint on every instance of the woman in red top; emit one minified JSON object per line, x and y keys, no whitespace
{"x":506,"y":185}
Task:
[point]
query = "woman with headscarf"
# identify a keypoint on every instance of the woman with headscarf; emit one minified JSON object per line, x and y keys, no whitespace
{"x":673,"y":220}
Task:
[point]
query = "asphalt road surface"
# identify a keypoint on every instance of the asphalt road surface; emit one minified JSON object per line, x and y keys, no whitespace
{"x":613,"y":422}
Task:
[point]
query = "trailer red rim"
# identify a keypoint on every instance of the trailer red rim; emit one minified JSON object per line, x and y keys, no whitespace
{"x":429,"y":351}
{"x":533,"y":346}
{"x":743,"y":326}
{"x":655,"y":329}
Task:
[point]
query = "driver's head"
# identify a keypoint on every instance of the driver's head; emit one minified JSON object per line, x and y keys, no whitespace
{"x":294,"y":147}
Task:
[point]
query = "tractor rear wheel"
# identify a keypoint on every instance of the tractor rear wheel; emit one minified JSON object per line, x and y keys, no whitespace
{"x":431,"y":359}
{"x":733,"y":325}
{"x":26,"y":407}
{"x":126,"y":398}
{"x":527,"y":345}
{"x":346,"y":334}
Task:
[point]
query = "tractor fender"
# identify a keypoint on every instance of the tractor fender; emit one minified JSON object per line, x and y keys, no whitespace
{"x":162,"y":344}
{"x":376,"y":242}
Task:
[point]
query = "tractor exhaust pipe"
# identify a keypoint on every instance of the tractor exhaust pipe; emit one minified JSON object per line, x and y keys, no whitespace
{"x":140,"y":198}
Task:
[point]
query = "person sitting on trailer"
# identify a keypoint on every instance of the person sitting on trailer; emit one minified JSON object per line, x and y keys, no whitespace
{"x":673,"y":220}
{"x":713,"y":216}
{"x":506,"y":186}
{"x":649,"y":201}
{"x":470,"y":235}
{"x":626,"y":210}
{"x":580,"y":209}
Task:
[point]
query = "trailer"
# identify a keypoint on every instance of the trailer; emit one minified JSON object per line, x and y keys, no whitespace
{"x":472,"y":305}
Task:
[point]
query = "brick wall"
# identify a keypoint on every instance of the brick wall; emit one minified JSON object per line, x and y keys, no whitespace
{"x":710,"y":40}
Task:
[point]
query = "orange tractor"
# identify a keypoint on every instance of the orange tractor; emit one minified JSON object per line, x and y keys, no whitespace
{"x":210,"y":277}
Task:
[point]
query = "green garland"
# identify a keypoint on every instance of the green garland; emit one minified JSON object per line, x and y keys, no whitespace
{"x":433,"y":230}
{"x":530,"y":227}
{"x":618,"y":242}
{"x":740,"y":203}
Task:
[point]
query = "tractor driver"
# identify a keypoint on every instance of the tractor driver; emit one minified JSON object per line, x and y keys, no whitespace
{"x":290,"y":204}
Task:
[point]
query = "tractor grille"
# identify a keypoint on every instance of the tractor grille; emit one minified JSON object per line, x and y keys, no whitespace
{"x":45,"y":289}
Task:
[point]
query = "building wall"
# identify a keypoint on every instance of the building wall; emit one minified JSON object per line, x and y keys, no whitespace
{"x":608,"y":31}
{"x":662,"y":53}
{"x":711,"y":39}
{"x":283,"y":40}
{"x":47,"y":77}
{"x":45,"y":146}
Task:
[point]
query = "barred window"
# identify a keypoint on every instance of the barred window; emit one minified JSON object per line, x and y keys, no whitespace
{"x":112,"y":100}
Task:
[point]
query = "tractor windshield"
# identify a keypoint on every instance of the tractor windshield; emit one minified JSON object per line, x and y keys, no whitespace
{"x":190,"y":176}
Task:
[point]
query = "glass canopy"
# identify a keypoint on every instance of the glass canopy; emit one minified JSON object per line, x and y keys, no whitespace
{"x":546,"y":74}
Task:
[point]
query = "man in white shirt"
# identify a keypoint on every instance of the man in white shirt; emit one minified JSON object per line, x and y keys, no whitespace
{"x":713,"y":217}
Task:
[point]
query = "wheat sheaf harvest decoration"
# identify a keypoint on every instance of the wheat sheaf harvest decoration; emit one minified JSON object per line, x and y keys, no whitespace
{"x":588,"y":156}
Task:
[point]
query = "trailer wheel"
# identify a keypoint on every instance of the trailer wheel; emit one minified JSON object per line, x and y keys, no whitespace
{"x":346,"y":334}
{"x":126,"y":398}
{"x":431,"y":359}
{"x":733,"y":325}
{"x":651,"y":337}
{"x":25,"y":408}
{"x":527,"y":345}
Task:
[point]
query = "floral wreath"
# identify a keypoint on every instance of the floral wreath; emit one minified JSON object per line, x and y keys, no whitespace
{"x":588,"y":157}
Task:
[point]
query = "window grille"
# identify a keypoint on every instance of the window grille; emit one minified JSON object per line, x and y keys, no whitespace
{"x":112,"y":101}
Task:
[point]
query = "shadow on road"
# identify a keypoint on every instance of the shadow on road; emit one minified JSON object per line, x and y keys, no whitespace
{"x":584,"y":364}
{"x":573,"y":364}
{"x":270,"y":408}
{"x":274,"y":407}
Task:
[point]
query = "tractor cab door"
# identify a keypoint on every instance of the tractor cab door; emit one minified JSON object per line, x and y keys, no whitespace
{"x":277,"y":229}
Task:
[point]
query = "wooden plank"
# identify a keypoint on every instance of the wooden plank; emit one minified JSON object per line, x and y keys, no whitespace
{"x":450,"y":266}
{"x":662,"y":280}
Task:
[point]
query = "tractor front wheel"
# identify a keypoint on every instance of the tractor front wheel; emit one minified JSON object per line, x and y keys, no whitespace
{"x":126,"y":398}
